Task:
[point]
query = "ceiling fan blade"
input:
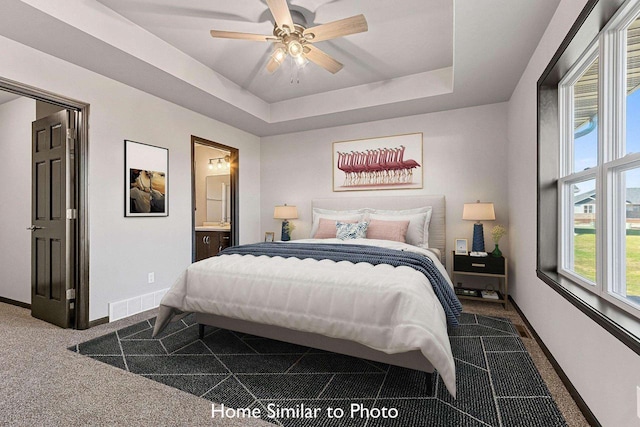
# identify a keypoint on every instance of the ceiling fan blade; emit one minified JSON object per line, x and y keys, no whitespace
{"x":317,"y":56}
{"x":241,"y":36}
{"x":272,"y":65}
{"x":280,"y":11}
{"x":342,"y":27}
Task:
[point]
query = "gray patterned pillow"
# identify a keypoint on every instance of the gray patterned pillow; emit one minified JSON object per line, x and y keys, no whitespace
{"x":346,"y":231}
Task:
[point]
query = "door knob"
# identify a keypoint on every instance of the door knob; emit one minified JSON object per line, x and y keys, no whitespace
{"x":35,"y":227}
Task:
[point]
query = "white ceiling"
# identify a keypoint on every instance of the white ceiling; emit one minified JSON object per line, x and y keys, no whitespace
{"x":413,"y":38}
{"x":418,"y":56}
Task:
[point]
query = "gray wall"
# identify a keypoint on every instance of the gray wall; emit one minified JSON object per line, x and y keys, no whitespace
{"x":604,"y":371}
{"x":124,"y":250}
{"x":464,"y":158}
{"x":15,"y":192}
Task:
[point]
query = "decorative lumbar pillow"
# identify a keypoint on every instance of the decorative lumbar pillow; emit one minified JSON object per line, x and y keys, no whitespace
{"x":419,"y":219}
{"x":346,"y":231}
{"x":388,"y":230}
{"x":345,"y":215}
{"x":327,"y":228}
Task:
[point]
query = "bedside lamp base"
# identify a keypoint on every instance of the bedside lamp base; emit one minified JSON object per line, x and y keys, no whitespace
{"x":285,"y":236}
{"x":478,"y":237}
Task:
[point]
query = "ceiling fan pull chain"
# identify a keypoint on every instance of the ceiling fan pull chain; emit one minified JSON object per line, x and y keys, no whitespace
{"x":295,"y":77}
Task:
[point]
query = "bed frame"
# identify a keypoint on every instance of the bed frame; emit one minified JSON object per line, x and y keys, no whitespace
{"x":413,"y":359}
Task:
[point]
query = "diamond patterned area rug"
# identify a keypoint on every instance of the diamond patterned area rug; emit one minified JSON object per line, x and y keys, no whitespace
{"x":497,"y":382}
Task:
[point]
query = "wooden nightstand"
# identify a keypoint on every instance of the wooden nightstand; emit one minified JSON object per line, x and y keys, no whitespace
{"x":488,"y":266}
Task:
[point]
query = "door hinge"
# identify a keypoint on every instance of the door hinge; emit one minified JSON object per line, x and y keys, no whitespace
{"x":71,"y":294}
{"x":71,"y":133}
{"x":72,"y":214}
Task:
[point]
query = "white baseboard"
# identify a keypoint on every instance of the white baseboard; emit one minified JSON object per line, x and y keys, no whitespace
{"x":121,"y":309}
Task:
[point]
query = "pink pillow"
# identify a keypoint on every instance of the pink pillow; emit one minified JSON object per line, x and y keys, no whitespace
{"x":388,"y":230}
{"x":327,"y":228}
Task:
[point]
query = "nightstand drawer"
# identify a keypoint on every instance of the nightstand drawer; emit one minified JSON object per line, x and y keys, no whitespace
{"x":487,"y":265}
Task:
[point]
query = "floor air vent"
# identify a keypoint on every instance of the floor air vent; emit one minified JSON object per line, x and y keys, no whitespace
{"x":522,"y":331}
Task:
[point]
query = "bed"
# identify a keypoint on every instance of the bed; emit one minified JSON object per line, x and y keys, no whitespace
{"x":372,"y":303}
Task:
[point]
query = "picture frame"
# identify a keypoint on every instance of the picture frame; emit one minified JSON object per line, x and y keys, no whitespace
{"x":381,"y":163}
{"x":146,"y":180}
{"x":461,"y":247}
{"x":269,"y":236}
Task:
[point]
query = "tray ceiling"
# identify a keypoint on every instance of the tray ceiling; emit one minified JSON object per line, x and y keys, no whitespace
{"x":418,"y":56}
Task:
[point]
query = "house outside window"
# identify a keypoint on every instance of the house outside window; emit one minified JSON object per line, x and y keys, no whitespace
{"x":599,"y":162}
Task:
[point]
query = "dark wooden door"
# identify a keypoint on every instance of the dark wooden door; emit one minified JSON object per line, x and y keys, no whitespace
{"x":52,"y":229}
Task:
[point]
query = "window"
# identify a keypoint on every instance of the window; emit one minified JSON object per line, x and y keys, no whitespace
{"x":633,"y":82}
{"x":598,"y":182}
{"x":588,"y":194}
{"x":578,"y":171}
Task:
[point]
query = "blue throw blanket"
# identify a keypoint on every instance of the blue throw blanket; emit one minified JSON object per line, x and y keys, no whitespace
{"x":361,"y":253}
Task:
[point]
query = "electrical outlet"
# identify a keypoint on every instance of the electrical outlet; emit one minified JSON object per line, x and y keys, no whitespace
{"x":638,"y":400}
{"x":152,"y":277}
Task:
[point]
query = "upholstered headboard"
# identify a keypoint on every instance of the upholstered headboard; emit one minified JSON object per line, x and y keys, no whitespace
{"x":437,"y":234}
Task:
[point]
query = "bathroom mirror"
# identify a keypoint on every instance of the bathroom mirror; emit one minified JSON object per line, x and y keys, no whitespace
{"x":218,"y":206}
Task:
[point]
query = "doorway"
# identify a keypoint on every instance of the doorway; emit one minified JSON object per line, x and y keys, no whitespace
{"x":214,"y":188}
{"x":74,"y":242}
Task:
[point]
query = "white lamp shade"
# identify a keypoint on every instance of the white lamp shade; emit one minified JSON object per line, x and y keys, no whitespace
{"x":479,"y":212}
{"x":285,"y":212}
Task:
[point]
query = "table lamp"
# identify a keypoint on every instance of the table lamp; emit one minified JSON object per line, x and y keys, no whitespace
{"x":478,"y":212}
{"x":285,"y":213}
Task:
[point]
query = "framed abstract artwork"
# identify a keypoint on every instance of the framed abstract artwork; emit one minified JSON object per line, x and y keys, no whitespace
{"x":382,"y":163}
{"x":146,"y":170}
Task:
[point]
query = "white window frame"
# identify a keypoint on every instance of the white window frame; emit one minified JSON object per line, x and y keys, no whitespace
{"x":568,"y":176}
{"x":610,"y":47}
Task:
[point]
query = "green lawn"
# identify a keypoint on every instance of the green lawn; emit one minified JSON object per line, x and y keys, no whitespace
{"x":585,"y":260}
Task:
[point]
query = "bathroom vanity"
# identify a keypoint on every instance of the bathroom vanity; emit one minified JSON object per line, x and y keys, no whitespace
{"x":211,"y":239}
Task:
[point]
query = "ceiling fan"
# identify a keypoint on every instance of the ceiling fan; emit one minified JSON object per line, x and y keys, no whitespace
{"x":296,"y":40}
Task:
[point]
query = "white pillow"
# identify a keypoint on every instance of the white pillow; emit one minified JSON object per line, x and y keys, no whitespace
{"x":419,"y":219}
{"x":348,"y":215}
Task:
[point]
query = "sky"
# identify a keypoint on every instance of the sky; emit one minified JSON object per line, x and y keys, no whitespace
{"x":586,"y":150}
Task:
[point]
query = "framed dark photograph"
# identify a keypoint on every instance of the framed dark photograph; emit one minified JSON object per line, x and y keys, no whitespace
{"x":146,"y":170}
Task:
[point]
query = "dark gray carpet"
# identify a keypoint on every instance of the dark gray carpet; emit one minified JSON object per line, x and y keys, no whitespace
{"x":497,"y":382}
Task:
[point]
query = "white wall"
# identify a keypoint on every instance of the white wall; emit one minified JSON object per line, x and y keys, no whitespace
{"x":464,"y":158}
{"x":15,"y":211}
{"x":604,"y":371}
{"x":123,"y":250}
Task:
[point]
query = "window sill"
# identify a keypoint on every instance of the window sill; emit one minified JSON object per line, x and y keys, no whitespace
{"x":622,"y":325}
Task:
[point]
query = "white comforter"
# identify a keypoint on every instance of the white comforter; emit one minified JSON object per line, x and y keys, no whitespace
{"x":391,"y":309}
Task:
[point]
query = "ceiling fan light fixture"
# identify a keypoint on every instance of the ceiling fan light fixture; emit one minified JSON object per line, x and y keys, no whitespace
{"x":296,"y":40}
{"x":295,"y":48}
{"x":279,"y":54}
{"x":301,"y":61}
